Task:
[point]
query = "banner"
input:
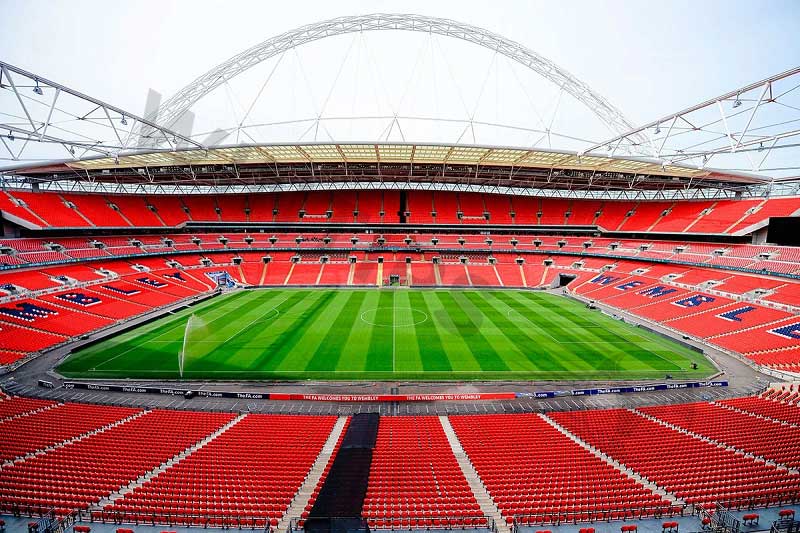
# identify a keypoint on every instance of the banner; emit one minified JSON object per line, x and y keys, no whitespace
{"x":394,"y":397}
{"x":367,"y":398}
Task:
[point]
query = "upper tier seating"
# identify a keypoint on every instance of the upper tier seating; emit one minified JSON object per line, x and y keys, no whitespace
{"x":96,"y":209}
{"x":51,"y":208}
{"x":88,"y":210}
{"x":135,"y":209}
{"x":538,"y":475}
{"x":695,"y":470}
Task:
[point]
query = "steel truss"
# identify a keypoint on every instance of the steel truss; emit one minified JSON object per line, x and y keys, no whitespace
{"x":742,"y":130}
{"x":100,"y":187}
{"x":173,"y":109}
{"x":35,"y":110}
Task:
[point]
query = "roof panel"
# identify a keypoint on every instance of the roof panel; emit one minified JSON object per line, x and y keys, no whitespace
{"x":358,"y":152}
{"x":396,"y":152}
{"x":322,"y":152}
{"x":431,"y":154}
{"x":485,"y":157}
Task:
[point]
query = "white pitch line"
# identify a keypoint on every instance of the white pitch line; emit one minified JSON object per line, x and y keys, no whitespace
{"x":522,"y":372}
{"x":131,"y":349}
{"x":394,"y":331}
{"x":262,"y":317}
{"x":178,"y":324}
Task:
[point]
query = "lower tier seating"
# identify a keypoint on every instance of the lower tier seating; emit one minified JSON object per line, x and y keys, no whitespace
{"x":535,"y":474}
{"x":766,"y":438}
{"x":695,"y":470}
{"x":779,"y":410}
{"x":81,"y":473}
{"x":414,"y":476}
{"x":17,"y":405}
{"x":250,"y":467}
{"x":36,"y":431}
{"x":253,"y":469}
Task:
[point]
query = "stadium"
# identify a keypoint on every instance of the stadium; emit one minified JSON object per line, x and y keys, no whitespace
{"x":389,"y":271}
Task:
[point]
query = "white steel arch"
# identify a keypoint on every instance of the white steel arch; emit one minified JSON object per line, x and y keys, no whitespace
{"x":175,"y":107}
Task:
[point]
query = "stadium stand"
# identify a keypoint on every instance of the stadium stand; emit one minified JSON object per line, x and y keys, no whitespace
{"x":82,"y":472}
{"x":540,"y":476}
{"x":695,"y":470}
{"x":264,"y":457}
{"x":87,"y":210}
{"x":223,"y":470}
{"x":749,"y":303}
{"x":414,"y":477}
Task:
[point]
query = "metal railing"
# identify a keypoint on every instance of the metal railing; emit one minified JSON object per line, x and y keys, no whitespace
{"x":203,"y":520}
{"x":559,"y":517}
{"x":421,"y":522}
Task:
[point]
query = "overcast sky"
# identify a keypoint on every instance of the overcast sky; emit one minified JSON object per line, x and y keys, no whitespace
{"x":647,"y":57}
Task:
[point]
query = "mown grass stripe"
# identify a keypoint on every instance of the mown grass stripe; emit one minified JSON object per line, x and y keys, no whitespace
{"x":432,"y":353}
{"x":296,"y":321}
{"x":504,"y":341}
{"x":359,"y":337}
{"x":470,"y":331}
{"x":542,"y":355}
{"x":334,"y":344}
{"x":613,"y":356}
{"x":379,"y":351}
{"x":137,"y":340}
{"x":407,"y":354}
{"x":555,"y":326}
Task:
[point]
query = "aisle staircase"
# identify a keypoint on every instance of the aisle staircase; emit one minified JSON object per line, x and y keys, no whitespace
{"x":487,"y":505}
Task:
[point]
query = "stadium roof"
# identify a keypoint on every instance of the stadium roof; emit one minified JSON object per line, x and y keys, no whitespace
{"x":395,"y":162}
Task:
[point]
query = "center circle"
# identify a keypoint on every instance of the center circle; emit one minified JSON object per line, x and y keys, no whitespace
{"x":394,"y":317}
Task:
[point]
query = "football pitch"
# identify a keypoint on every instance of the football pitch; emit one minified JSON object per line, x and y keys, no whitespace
{"x":379,"y":334}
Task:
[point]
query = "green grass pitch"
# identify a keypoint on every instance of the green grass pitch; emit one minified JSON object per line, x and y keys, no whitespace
{"x":404,"y":334}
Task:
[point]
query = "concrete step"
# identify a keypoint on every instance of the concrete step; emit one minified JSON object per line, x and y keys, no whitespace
{"x":303,"y":495}
{"x":487,"y":505}
{"x":755,"y":457}
{"x":133,"y":485}
{"x":613,"y":462}
{"x":71,"y":440}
